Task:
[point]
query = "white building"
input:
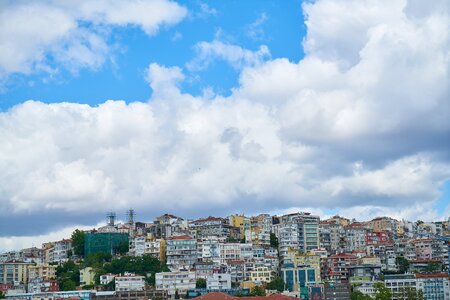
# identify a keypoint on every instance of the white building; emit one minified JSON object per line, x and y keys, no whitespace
{"x":107,"y":278}
{"x":175,"y":281}
{"x":434,"y":286}
{"x":130,"y":282}
{"x":235,"y":251}
{"x":155,"y":248}
{"x":218,"y":282}
{"x":137,"y":245}
{"x":208,"y":251}
{"x":181,"y":253}
{"x":398,"y":283}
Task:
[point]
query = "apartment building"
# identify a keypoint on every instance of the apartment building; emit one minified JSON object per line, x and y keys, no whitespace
{"x":174,"y":282}
{"x":181,"y":252}
{"x":129,"y":282}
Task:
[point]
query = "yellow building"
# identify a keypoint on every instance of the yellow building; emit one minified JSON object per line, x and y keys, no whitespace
{"x":45,"y":272}
{"x":248,"y":285}
{"x":242,"y":222}
{"x":261,"y":275}
{"x":87,"y":276}
{"x":14,"y":272}
{"x":309,"y":259}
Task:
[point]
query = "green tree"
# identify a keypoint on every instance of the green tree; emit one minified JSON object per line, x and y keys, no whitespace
{"x":357,"y":295}
{"x":97,"y":259}
{"x":68,"y":285}
{"x":402,"y":264}
{"x":200,"y":283}
{"x":231,"y":239}
{"x":2,"y":296}
{"x":123,"y":248}
{"x":411,"y":294}
{"x":433,"y":267}
{"x":68,"y":275}
{"x":382,"y":292}
{"x":143,"y":265}
{"x":78,"y":242}
{"x":273,"y":240}
{"x":257,"y":291}
{"x":276,"y":284}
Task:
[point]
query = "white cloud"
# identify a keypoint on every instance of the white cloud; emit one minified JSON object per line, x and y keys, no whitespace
{"x":368,"y":136}
{"x":21,"y":242}
{"x":236,"y":56}
{"x":37,"y":36}
{"x":255,"y":30}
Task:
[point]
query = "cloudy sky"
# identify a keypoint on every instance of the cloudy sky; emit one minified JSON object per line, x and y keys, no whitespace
{"x":217,"y":107}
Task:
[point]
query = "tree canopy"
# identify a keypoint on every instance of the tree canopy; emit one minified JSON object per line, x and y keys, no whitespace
{"x":276,"y":284}
{"x":200,"y":283}
{"x":68,"y":276}
{"x":382,"y":292}
{"x":78,"y":242}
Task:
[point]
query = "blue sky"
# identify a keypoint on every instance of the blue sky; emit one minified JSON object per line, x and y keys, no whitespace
{"x":249,"y":24}
{"x":221,"y":107}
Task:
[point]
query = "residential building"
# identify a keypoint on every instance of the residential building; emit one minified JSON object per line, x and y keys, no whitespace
{"x":87,"y":276}
{"x":242,"y":222}
{"x":218,"y":282}
{"x":205,"y":269}
{"x":336,"y":291}
{"x":14,"y":272}
{"x":235,"y":251}
{"x":212,"y":226}
{"x":398,"y":283}
{"x":298,"y":279}
{"x":434,"y":285}
{"x":298,"y":231}
{"x":174,"y":282}
{"x":338,"y":265}
{"x":38,"y":285}
{"x":137,"y":245}
{"x":44,"y":272}
{"x":129,"y":282}
{"x":355,"y":237}
{"x":261,"y":275}
{"x":107,"y":278}
{"x":181,"y":253}
{"x":155,"y":248}
{"x":208,"y":250}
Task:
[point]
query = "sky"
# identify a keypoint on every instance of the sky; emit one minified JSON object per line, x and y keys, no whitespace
{"x":200,"y":108}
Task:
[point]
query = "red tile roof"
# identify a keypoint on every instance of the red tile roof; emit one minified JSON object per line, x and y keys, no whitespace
{"x":432,"y":275}
{"x":181,"y":237}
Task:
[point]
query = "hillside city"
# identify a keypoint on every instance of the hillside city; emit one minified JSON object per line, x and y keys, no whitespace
{"x":296,"y":255}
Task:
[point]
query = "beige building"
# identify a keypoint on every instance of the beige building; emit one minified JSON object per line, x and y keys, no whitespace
{"x":87,"y":276}
{"x":14,"y":272}
{"x":44,"y":272}
{"x":261,"y":275}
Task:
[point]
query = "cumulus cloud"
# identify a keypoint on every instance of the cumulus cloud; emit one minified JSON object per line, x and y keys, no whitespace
{"x":42,"y":36}
{"x":364,"y":130}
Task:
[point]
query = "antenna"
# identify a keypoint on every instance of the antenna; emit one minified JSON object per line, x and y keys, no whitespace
{"x":110,"y":218}
{"x":131,"y":214}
